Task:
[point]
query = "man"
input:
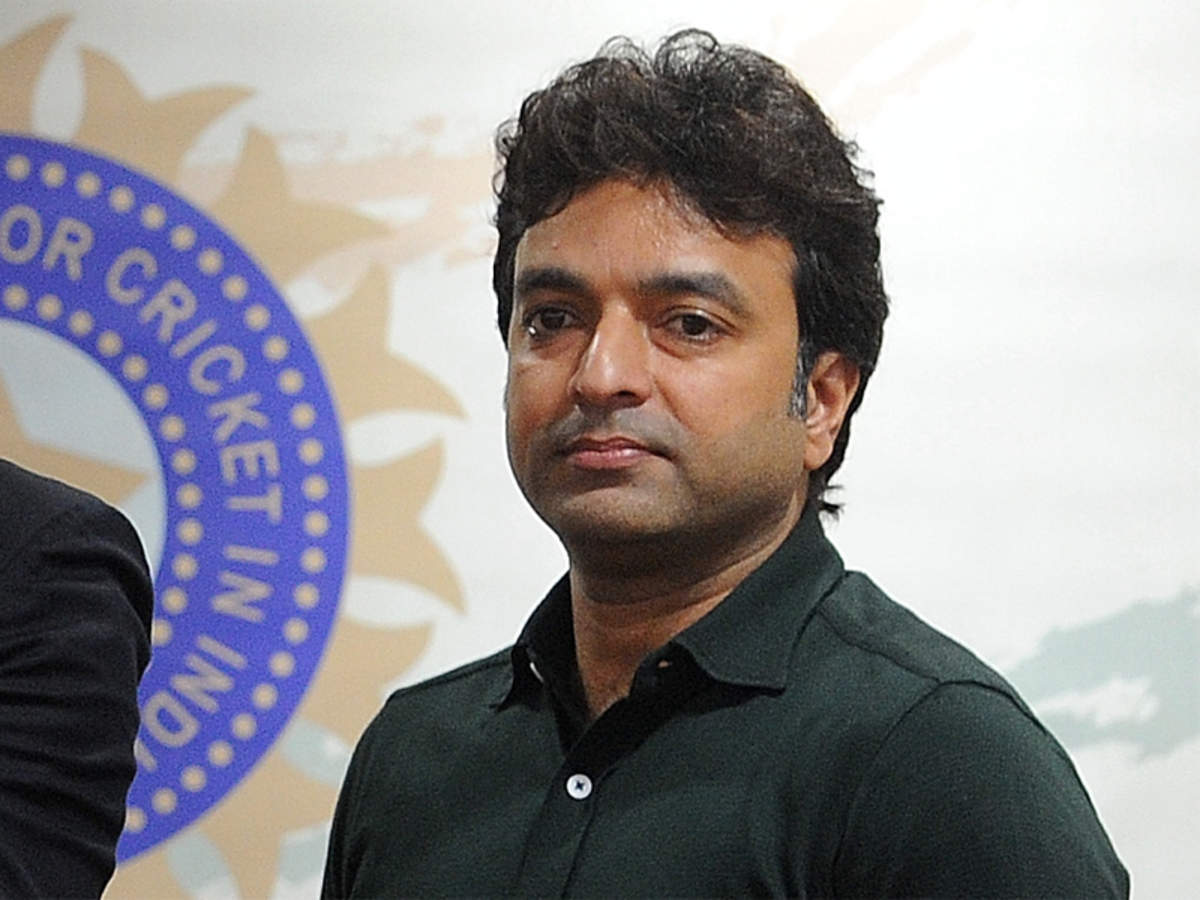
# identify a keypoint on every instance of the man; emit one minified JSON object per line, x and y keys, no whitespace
{"x":707,"y":703}
{"x":75,"y":608}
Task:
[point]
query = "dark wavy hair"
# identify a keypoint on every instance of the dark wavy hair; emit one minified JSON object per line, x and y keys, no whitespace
{"x":733,"y":135}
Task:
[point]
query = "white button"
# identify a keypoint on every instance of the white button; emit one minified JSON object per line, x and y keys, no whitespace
{"x":579,"y":787}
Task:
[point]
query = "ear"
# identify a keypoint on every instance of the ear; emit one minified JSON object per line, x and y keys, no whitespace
{"x":831,"y":386}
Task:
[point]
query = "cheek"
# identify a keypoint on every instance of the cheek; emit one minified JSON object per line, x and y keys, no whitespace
{"x":742,"y":427}
{"x":771,"y":440}
{"x":730,"y":399}
{"x":514,"y":411}
{"x":529,"y":401}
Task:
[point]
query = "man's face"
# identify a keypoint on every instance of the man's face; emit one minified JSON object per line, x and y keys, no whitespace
{"x":651,"y":362}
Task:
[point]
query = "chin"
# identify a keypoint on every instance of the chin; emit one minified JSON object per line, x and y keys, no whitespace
{"x":593,"y":525}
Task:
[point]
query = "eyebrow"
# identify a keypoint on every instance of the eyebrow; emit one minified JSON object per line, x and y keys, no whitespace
{"x":712,"y":285}
{"x":549,"y":278}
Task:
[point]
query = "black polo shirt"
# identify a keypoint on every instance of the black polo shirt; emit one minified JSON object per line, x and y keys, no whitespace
{"x":807,"y":737}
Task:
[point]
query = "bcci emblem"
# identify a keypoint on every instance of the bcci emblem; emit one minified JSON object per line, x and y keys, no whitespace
{"x":254,"y":491}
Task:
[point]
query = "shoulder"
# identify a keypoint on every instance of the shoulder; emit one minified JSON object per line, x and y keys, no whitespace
{"x":446,"y":701}
{"x":445,"y":715}
{"x":33,"y":506}
{"x":54,"y":534}
{"x":970,"y":795}
{"x":875,"y":674}
{"x":956,"y":782}
{"x":909,"y":676}
{"x":27,"y":502}
{"x":31,"y":496}
{"x":470,"y":680}
{"x":888,"y":643}
{"x":922,"y":685}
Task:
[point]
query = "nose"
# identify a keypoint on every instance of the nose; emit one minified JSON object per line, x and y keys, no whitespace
{"x":614,"y":369}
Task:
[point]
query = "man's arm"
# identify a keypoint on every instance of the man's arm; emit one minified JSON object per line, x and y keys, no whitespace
{"x":75,"y":607}
{"x":970,"y":797}
{"x":342,"y":854}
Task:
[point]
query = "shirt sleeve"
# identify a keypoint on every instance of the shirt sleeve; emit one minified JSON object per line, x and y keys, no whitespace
{"x":341,"y":859}
{"x":970,"y":796}
{"x":75,"y":607}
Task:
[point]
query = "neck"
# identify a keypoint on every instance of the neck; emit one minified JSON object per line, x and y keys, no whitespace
{"x":623,"y":611}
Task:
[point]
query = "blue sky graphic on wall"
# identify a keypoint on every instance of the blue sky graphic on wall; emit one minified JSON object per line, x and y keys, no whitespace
{"x":1133,"y":677}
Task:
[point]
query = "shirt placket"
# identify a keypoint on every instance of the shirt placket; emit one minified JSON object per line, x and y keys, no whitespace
{"x":574,"y":797}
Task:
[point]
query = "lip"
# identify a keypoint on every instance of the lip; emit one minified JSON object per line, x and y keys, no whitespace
{"x":607,"y":453}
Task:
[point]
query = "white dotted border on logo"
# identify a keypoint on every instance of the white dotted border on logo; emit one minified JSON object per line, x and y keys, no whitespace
{"x":155,"y":403}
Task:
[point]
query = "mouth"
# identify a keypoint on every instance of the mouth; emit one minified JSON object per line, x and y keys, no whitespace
{"x":606,"y":453}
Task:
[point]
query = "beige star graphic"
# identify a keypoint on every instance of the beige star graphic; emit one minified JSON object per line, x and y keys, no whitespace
{"x":21,"y":61}
{"x":369,"y":378}
{"x":393,"y":544}
{"x":364,"y":658}
{"x":151,"y":135}
{"x":455,"y":187}
{"x":288,"y":233}
{"x":111,"y":483}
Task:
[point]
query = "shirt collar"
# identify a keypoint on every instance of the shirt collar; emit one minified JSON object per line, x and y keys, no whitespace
{"x":746,"y":639}
{"x":545,"y":649}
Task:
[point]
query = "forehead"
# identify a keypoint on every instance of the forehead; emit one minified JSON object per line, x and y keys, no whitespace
{"x":617,"y":228}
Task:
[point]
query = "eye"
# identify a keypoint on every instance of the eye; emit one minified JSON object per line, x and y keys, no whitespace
{"x":547,"y":320}
{"x":694,"y":326}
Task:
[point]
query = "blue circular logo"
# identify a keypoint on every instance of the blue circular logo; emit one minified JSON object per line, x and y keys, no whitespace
{"x":247,"y":438}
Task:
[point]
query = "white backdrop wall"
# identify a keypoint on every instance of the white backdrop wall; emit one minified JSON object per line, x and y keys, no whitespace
{"x":1023,"y":472}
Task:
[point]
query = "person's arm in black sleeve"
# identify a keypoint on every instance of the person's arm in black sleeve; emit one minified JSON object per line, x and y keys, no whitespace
{"x":75,"y":608}
{"x":970,"y":797}
{"x":343,"y":852}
